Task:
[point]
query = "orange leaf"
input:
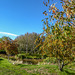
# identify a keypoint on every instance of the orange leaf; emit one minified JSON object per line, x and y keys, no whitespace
{"x":53,"y":11}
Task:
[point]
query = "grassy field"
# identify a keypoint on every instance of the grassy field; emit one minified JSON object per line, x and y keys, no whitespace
{"x":7,"y":68}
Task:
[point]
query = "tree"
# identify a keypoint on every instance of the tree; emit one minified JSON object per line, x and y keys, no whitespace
{"x":26,"y":43}
{"x":2,"y":40}
{"x":59,"y":40}
{"x":9,"y":46}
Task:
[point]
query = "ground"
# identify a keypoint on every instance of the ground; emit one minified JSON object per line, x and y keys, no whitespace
{"x":7,"y":68}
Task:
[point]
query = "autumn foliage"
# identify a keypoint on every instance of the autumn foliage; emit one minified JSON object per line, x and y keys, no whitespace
{"x":8,"y":45}
{"x":59,"y":31}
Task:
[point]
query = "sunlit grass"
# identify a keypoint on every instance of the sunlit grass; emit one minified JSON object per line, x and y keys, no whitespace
{"x":7,"y":68}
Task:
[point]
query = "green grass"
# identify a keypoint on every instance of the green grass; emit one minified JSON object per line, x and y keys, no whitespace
{"x":7,"y":68}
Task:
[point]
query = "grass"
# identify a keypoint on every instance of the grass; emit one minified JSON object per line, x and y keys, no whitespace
{"x":7,"y":68}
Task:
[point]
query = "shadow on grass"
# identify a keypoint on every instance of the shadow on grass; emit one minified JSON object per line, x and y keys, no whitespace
{"x":21,"y":65}
{"x":1,"y":59}
{"x":69,"y":73}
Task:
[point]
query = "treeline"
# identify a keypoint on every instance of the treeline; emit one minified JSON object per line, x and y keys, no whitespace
{"x":22,"y":44}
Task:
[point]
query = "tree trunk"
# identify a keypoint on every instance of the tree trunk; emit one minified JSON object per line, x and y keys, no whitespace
{"x":8,"y":57}
{"x":61,"y":65}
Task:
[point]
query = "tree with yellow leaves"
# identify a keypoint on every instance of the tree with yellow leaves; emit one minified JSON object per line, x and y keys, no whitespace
{"x":59,"y":41}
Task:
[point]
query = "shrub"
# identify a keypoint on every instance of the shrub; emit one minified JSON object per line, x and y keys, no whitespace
{"x":21,"y":56}
{"x":45,"y":56}
{"x":32,"y":61}
{"x":2,"y":52}
{"x":51,"y":60}
{"x":37,"y":56}
{"x":27,"y":56}
{"x":12,"y":58}
{"x":3,"y":55}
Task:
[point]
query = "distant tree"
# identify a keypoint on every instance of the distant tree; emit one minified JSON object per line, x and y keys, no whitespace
{"x":1,"y":48}
{"x":26,"y":43}
{"x":2,"y":40}
{"x":9,"y":46}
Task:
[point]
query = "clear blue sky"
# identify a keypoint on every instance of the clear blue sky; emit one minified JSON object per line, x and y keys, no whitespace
{"x":22,"y":16}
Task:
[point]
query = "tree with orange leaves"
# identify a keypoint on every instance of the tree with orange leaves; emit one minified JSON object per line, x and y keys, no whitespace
{"x":60,"y":38}
{"x":9,"y":46}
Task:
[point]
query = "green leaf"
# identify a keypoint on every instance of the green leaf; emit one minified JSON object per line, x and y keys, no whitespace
{"x":48,"y":1}
{"x":42,"y":20}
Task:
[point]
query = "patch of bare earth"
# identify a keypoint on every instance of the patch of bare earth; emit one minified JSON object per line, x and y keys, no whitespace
{"x":42,"y":71}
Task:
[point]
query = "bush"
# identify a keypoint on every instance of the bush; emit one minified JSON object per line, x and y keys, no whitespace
{"x":12,"y":58}
{"x":2,"y":52}
{"x":27,"y":56}
{"x":37,"y":56}
{"x":51,"y":60}
{"x":45,"y":56}
{"x":21,"y":56}
{"x":29,"y":61}
{"x":4,"y":56}
{"x":32,"y":61}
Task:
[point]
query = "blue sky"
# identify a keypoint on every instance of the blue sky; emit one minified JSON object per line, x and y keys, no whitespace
{"x":21,"y":16}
